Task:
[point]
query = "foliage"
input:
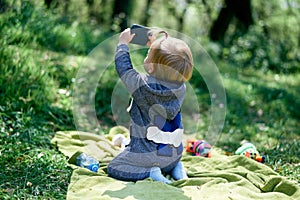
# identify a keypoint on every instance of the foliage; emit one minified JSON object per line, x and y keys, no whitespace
{"x":272,"y":43}
{"x":31,"y":24}
{"x":42,"y":51}
{"x":31,"y":167}
{"x":31,"y":106}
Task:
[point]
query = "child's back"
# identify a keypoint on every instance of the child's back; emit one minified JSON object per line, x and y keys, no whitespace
{"x":156,"y":128}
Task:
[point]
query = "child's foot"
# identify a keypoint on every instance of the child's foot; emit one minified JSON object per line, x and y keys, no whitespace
{"x":156,"y":175}
{"x":178,"y":172}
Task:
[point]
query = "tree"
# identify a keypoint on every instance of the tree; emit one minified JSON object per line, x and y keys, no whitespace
{"x":92,"y":13}
{"x":147,"y":15}
{"x":55,"y":4}
{"x":179,"y":12}
{"x":241,"y":9}
{"x":50,"y":3}
{"x":3,"y":6}
{"x":121,"y":12}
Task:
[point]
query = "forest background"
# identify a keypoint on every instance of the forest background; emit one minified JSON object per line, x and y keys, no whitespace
{"x":254,"y":43}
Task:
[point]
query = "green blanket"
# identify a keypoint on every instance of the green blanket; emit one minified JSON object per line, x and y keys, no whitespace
{"x":218,"y":177}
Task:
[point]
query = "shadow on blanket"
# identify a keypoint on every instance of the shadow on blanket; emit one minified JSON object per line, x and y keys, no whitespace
{"x":155,"y":191}
{"x":219,"y":177}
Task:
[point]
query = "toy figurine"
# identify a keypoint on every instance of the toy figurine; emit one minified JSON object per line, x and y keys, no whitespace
{"x":249,"y":150}
{"x":119,"y":136}
{"x":198,"y":148}
{"x":120,"y":140}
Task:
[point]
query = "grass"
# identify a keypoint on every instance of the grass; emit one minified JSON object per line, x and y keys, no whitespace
{"x":263,"y":108}
{"x":32,"y":166}
{"x":36,"y":82}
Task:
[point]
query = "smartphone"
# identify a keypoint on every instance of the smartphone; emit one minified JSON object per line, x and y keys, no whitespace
{"x":141,"y":34}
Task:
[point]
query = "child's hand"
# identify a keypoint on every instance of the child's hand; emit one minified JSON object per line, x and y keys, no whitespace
{"x":126,"y":37}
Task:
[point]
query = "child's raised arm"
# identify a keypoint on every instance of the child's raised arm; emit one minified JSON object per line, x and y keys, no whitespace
{"x":129,"y":76}
{"x":125,"y":37}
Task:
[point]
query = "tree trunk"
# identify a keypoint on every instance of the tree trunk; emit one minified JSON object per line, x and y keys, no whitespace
{"x":243,"y":13}
{"x":66,"y":6}
{"x":181,"y":19}
{"x":221,"y":24}
{"x":3,"y":6}
{"x":48,"y":3}
{"x":233,"y":8}
{"x":90,"y":4}
{"x":179,"y":14}
{"x":121,"y":12}
{"x":147,"y":14}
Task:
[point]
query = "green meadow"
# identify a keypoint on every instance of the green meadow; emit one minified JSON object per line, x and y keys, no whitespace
{"x":41,"y":51}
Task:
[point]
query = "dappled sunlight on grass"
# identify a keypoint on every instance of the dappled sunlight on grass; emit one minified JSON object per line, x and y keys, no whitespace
{"x":263,"y":109}
{"x":40,"y":55}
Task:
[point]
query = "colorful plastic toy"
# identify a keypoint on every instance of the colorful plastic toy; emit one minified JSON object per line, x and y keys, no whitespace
{"x":249,"y":150}
{"x":198,"y":148}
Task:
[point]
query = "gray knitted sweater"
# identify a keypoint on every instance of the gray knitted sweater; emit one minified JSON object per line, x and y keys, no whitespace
{"x":155,"y":103}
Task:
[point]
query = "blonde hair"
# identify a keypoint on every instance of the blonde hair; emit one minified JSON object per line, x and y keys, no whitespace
{"x":171,"y":58}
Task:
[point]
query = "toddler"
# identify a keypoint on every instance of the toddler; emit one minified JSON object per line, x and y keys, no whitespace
{"x":156,"y":129}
